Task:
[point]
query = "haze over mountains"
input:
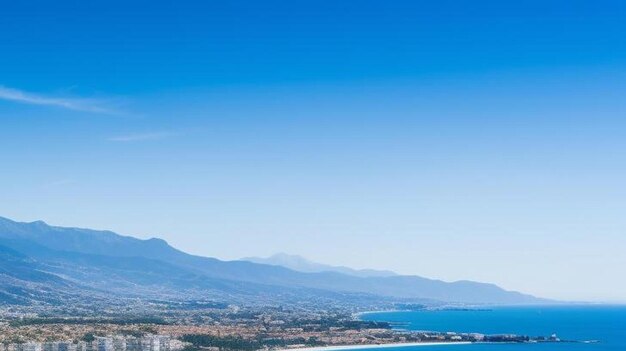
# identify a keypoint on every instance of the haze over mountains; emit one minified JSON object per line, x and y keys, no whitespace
{"x":43,"y":264}
{"x":301,"y":264}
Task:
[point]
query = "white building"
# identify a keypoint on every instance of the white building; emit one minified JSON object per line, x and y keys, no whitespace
{"x":104,"y":344}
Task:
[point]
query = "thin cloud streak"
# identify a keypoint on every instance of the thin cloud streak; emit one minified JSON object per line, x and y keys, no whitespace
{"x":75,"y":104}
{"x":141,"y":136}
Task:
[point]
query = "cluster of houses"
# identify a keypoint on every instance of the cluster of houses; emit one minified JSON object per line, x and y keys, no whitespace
{"x":109,"y":343}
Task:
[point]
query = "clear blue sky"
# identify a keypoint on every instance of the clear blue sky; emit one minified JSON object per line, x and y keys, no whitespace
{"x":480,"y":140}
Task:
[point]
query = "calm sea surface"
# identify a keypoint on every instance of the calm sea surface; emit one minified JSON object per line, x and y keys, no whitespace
{"x":604,"y":323}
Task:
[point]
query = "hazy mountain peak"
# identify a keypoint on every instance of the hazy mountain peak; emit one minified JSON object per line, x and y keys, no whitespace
{"x":302,"y":264}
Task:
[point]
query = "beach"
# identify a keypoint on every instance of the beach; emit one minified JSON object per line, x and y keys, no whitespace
{"x":374,"y":346}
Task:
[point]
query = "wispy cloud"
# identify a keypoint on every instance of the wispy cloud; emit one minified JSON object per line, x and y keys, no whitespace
{"x":76,"y":104}
{"x":142,"y":136}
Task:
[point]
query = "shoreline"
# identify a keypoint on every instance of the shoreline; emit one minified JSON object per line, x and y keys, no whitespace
{"x":359,"y":314}
{"x":374,"y":346}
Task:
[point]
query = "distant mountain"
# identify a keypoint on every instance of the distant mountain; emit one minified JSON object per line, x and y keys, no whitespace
{"x":103,"y":262}
{"x":301,"y":264}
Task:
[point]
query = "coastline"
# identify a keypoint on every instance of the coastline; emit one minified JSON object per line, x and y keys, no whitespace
{"x":374,"y":346}
{"x":359,"y":314}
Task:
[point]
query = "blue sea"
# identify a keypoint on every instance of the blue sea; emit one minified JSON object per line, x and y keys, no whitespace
{"x":607,"y":324}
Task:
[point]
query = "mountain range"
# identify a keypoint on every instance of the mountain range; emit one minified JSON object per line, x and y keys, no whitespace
{"x":301,"y":264}
{"x":44,"y":264}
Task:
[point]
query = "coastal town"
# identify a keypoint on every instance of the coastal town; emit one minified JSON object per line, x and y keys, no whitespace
{"x":232,"y":328}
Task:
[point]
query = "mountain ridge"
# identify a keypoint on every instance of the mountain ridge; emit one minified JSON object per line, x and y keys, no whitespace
{"x":301,"y":264}
{"x":97,"y":258}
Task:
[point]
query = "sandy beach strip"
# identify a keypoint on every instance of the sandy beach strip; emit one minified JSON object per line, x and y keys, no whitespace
{"x":374,"y":346}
